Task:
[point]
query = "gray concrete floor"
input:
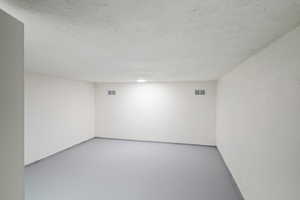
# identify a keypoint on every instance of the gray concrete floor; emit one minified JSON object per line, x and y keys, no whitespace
{"x":104,"y":169}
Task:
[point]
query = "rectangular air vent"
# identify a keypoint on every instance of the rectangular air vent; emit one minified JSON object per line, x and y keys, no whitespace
{"x":111,"y":92}
{"x":199,"y":92}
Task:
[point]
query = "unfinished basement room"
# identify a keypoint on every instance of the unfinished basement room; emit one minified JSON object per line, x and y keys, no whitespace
{"x":149,"y":99}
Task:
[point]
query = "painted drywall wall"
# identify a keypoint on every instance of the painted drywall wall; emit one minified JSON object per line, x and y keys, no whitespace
{"x":59,"y":113}
{"x":11,"y":107}
{"x":258,"y":121}
{"x":164,"y":112}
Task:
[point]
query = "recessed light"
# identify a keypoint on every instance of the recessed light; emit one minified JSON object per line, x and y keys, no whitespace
{"x":141,"y":81}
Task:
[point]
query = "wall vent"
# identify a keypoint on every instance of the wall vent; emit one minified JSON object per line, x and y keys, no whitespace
{"x":111,"y":92}
{"x":200,"y":92}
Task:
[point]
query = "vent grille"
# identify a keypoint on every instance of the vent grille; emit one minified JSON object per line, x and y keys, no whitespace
{"x":200,"y":92}
{"x":111,"y":92}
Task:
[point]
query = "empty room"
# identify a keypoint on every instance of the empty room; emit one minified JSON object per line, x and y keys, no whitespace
{"x":149,"y":100}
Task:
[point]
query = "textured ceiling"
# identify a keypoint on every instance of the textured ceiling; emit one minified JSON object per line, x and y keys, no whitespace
{"x":158,"y":40}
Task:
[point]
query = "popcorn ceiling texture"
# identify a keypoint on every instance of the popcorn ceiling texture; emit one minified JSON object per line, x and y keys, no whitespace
{"x":159,"y":40}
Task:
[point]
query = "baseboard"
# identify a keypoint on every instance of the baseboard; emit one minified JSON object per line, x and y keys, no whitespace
{"x":152,"y":141}
{"x":107,"y":138}
{"x":61,"y":151}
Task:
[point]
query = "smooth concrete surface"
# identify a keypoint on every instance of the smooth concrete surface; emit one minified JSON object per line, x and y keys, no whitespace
{"x":164,"y":112}
{"x":127,"y":170}
{"x":11,"y":107}
{"x":258,"y":121}
{"x":59,"y":113}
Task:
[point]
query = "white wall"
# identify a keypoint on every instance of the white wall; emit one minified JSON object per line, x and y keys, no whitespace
{"x":258,"y":121}
{"x":165,"y":112}
{"x":11,"y":108}
{"x":59,"y":113}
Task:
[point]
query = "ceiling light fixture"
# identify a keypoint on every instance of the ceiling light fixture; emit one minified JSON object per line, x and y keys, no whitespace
{"x":141,"y":81}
